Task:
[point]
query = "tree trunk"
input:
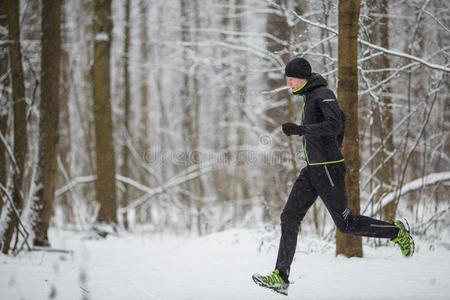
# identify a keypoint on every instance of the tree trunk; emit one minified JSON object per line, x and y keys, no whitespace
{"x":387,"y":175}
{"x":223,"y":177}
{"x":19,"y":110}
{"x":241,"y":176}
{"x":105,"y":157}
{"x":278,"y":26}
{"x":197,"y":184}
{"x":125,"y":170}
{"x":348,"y":95}
{"x":144,"y":52}
{"x":144,"y":124}
{"x":164,"y":120}
{"x":45,"y":179}
{"x":64,"y":120}
{"x":186,"y":100}
{"x":4,"y":98}
{"x":382,"y":110}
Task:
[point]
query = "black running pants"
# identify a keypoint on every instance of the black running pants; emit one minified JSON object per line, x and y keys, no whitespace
{"x":326,"y":181}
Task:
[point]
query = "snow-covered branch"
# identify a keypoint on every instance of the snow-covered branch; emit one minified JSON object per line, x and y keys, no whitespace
{"x":414,"y":185}
{"x":376,"y":47}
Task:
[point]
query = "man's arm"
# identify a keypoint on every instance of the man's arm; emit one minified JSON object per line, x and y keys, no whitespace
{"x":332,"y":125}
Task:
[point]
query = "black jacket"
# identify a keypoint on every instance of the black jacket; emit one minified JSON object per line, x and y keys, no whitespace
{"x":323,"y":123}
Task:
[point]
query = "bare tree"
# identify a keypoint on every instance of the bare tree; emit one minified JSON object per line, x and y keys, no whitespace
{"x":277,"y":25}
{"x":278,"y":46}
{"x":381,"y":106}
{"x":190,"y":98}
{"x":223,"y":178}
{"x":19,"y":111}
{"x":64,"y":128}
{"x":4,"y":96}
{"x":125,"y":170}
{"x":45,"y":178}
{"x":105,"y":157}
{"x":145,"y":98}
{"x":348,"y":96}
{"x":197,"y":184}
{"x":241,"y":175}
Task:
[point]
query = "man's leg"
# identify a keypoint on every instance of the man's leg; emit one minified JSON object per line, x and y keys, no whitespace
{"x":300,"y":199}
{"x":329,"y":181}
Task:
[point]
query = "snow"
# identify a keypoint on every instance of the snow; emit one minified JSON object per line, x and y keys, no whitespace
{"x":219,"y":266}
{"x":101,"y":37}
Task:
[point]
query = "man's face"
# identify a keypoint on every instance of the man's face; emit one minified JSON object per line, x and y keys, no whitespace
{"x":294,"y":83}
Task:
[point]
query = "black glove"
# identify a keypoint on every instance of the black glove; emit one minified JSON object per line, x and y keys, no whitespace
{"x":291,"y":128}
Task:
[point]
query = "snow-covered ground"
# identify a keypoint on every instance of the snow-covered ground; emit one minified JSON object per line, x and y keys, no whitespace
{"x":219,"y":266}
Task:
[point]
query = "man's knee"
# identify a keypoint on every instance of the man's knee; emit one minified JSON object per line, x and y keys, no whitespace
{"x":289,"y":220}
{"x":344,"y":221}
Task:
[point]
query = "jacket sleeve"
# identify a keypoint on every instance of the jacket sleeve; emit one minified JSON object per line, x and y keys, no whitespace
{"x":340,"y":137}
{"x":332,"y":125}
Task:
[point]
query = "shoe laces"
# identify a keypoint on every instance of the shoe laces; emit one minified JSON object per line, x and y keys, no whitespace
{"x":274,"y":277}
{"x":403,"y":239}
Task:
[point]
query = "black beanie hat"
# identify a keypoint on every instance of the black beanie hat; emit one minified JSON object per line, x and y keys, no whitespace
{"x":298,"y":68}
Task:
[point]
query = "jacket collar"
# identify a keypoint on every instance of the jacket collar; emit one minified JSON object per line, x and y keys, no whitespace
{"x":313,"y":83}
